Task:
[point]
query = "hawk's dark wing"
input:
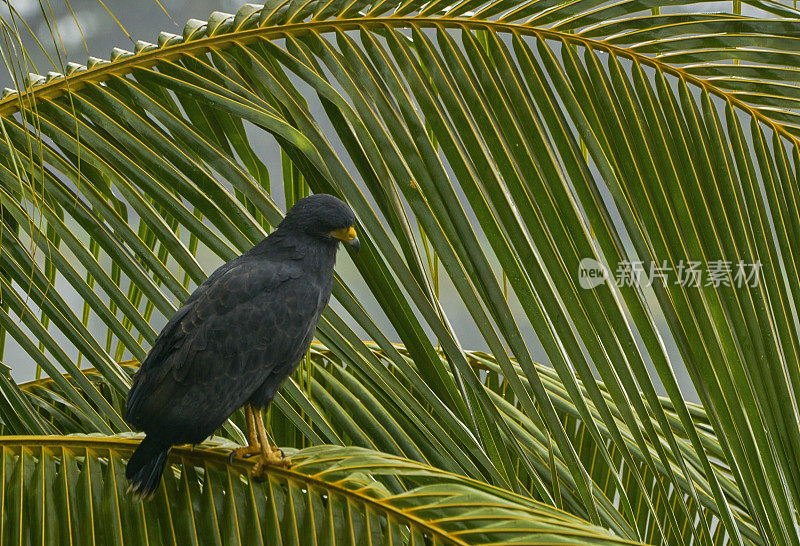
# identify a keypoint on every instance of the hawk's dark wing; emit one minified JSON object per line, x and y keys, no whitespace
{"x":251,"y":318}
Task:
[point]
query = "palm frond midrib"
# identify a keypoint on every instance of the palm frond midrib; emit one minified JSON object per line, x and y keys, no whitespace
{"x":149,"y":55}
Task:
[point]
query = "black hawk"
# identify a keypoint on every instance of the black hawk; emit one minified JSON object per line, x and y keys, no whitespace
{"x":236,"y":339}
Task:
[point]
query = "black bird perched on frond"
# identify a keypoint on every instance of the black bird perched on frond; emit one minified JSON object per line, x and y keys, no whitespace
{"x":236,"y":339}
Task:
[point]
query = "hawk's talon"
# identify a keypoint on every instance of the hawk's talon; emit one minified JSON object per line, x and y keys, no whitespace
{"x":244,"y":452}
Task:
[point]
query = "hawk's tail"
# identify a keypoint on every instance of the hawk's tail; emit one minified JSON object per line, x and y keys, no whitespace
{"x":145,"y":467}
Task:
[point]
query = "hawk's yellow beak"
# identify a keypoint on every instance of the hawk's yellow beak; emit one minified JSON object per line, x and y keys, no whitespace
{"x":347,"y":236}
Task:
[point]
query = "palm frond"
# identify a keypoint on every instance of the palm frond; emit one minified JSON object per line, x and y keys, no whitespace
{"x":71,"y":490}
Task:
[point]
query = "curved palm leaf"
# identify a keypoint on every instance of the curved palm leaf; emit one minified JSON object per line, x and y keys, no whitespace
{"x":473,"y":117}
{"x":71,"y":490}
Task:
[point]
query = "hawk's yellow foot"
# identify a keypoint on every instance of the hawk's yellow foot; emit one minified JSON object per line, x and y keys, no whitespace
{"x":273,"y":458}
{"x":245,"y":452}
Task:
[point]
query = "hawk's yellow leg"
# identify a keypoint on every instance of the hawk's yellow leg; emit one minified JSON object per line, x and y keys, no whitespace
{"x":269,"y":455}
{"x":252,"y":447}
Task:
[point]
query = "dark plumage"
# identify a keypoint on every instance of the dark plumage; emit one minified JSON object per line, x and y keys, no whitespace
{"x":237,"y":338}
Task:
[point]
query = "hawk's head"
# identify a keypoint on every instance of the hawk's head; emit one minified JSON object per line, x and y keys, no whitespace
{"x":323,"y":216}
